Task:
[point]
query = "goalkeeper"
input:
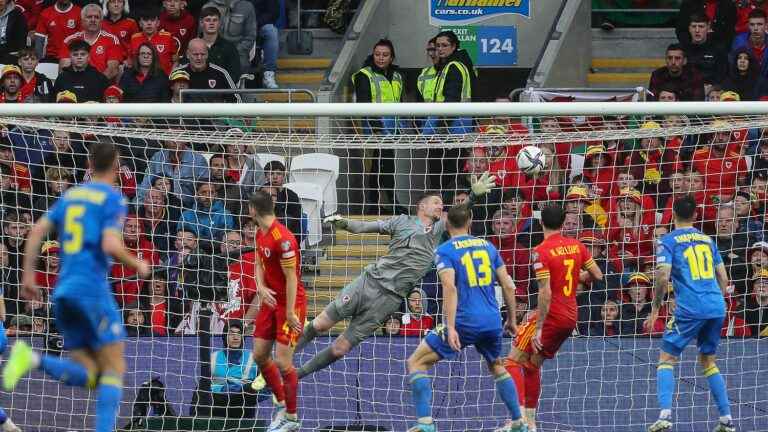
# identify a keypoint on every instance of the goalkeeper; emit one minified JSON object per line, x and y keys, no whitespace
{"x":380,"y":289}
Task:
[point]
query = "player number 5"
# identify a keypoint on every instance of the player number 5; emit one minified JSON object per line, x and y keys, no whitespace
{"x":484,"y":269}
{"x":74,"y":229}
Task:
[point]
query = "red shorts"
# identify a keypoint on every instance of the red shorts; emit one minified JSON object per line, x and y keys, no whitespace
{"x":552,"y":336}
{"x":270,"y":324}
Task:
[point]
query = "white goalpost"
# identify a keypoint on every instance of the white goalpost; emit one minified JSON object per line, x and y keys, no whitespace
{"x":615,"y":167}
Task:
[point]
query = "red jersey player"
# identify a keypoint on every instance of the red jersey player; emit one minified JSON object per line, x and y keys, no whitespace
{"x":280,"y":317}
{"x":558,"y":262}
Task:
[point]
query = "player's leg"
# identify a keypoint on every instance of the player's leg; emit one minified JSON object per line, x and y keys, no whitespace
{"x":286,"y":339}
{"x":6,"y":425}
{"x":343,"y":306}
{"x":520,"y":354}
{"x":707,"y":341}
{"x":109,"y":390}
{"x":262,"y":351}
{"x":489,"y":345}
{"x":419,"y":362}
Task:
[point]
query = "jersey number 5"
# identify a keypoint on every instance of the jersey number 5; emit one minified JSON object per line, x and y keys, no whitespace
{"x":73,"y":228}
{"x":700,"y":261}
{"x":483,"y":270}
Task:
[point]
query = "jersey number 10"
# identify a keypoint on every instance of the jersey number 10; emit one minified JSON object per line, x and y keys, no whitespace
{"x":483,"y":269}
{"x":700,"y":261}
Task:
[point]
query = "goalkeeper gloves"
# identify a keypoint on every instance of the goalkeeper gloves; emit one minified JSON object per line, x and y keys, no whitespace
{"x":337,"y":221}
{"x":482,"y":185}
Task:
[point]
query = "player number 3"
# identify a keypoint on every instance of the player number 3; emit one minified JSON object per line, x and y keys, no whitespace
{"x":484,"y":269}
{"x":700,"y":261}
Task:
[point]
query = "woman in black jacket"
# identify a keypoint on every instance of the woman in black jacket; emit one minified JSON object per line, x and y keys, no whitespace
{"x":145,"y":82}
{"x":743,"y":75}
{"x":13,"y":32}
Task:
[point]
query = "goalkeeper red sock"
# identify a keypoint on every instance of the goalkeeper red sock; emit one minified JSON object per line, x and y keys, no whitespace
{"x":532,"y":386}
{"x":291,"y":386}
{"x":272,"y":377}
{"x":516,"y":372}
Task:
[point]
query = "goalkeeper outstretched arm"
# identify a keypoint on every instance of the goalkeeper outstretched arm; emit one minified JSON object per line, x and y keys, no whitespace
{"x":355,"y":227}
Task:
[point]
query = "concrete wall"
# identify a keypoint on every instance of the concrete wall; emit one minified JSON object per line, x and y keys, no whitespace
{"x":605,"y":384}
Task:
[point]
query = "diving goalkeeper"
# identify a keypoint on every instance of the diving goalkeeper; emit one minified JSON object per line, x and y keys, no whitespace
{"x":380,"y":289}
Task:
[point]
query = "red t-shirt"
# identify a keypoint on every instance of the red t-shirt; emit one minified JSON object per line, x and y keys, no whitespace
{"x":21,"y":177}
{"x":165,"y":44}
{"x":720,"y":172}
{"x":417,"y":326}
{"x":159,"y":319}
{"x":561,"y":259}
{"x":183,"y":27}
{"x":123,"y":28}
{"x":56,"y":25}
{"x":278,"y":249}
{"x":127,"y":291}
{"x":31,"y":10}
{"x":242,"y":286}
{"x":104,"y":49}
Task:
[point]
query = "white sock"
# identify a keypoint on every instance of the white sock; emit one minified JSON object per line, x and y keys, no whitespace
{"x":666,"y":414}
{"x":35,"y":360}
{"x":529,"y":414}
{"x":425,"y":420}
{"x":725,"y":419}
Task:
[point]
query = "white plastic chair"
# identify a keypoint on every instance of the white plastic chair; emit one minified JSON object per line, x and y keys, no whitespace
{"x":311,"y":198}
{"x":265,"y":158}
{"x":51,"y":70}
{"x":321,"y":169}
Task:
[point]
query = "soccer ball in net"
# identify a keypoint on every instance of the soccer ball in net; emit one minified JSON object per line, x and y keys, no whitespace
{"x":530,"y":160}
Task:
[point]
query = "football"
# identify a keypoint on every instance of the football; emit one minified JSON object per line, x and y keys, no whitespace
{"x":531,"y":160}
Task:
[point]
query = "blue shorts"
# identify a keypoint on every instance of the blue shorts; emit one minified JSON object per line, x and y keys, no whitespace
{"x":3,"y":338}
{"x":680,"y":332}
{"x":87,"y":322}
{"x":488,"y":342}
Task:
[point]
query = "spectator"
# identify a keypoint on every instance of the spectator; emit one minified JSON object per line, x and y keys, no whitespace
{"x":18,"y":173}
{"x":38,"y":86}
{"x":653,"y":162}
{"x":31,"y":10}
{"x":610,"y":323}
{"x":756,"y":307}
{"x":57,"y":180}
{"x":249,"y":232}
{"x":501,"y":157}
{"x":14,"y":234}
{"x":106,"y":53}
{"x":12,"y":85}
{"x":205,"y":75}
{"x":176,"y":20}
{"x":55,"y":24}
{"x":241,"y":275}
{"x":10,"y":197}
{"x":244,"y":167}
{"x":166,"y":46}
{"x":221,"y":52}
{"x":379,"y":81}
{"x":599,"y":172}
{"x":753,"y":41}
{"x":668,"y":94}
{"x":125,"y":285}
{"x":145,"y":81}
{"x":427,"y":80}
{"x":678,"y":74}
{"x":722,"y":169}
{"x":232,"y":194}
{"x":117,"y":22}
{"x":136,"y":324}
{"x":182,"y":165}
{"x":197,"y":281}
{"x":743,"y":75}
{"x":13,"y":31}
{"x":572,"y":225}
{"x":743,"y":10}
{"x":713,"y":95}
{"x":680,"y":185}
{"x":178,"y":81}
{"x":720,"y":13}
{"x":415,"y":321}
{"x":748,"y":223}
{"x":757,"y":258}
{"x":703,"y":53}
{"x":82,"y":79}
{"x":392,"y":326}
{"x":287,"y":204}
{"x":730,"y":239}
{"x":158,"y":304}
{"x":63,"y":155}
{"x":157,"y":220}
{"x":238,"y":25}
{"x":267,"y":14}
{"x":209,"y":219}
{"x":637,"y":308}
{"x":47,"y":274}
{"x":233,"y":373}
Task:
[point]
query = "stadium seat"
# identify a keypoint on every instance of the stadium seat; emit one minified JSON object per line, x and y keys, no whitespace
{"x":51,"y":70}
{"x":311,"y":197}
{"x":577,"y":165}
{"x":321,"y":169}
{"x":265,"y":158}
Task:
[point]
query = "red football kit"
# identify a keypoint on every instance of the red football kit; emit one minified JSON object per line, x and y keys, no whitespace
{"x":241,"y":288}
{"x":560,"y":260}
{"x":123,"y":28}
{"x":31,"y":10}
{"x":165,"y":44}
{"x":104,"y":49}
{"x":56,"y":25}
{"x":720,"y":172}
{"x":278,"y":249}
{"x":183,"y":27}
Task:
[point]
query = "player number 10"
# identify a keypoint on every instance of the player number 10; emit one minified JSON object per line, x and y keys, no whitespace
{"x":700,"y":261}
{"x":483,"y":269}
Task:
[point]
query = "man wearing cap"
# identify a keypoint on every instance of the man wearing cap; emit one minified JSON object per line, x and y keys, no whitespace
{"x":638,"y":305}
{"x":577,"y":201}
{"x":165,"y":44}
{"x":178,"y":81}
{"x":206,"y":75}
{"x":12,"y":85}
{"x":49,"y":274}
{"x":756,"y":307}
{"x":82,"y":79}
{"x":106,"y":53}
{"x":679,"y":74}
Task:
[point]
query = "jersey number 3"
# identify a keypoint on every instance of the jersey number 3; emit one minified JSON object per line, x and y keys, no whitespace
{"x":483,"y":269}
{"x":73,"y":228}
{"x":700,"y":261}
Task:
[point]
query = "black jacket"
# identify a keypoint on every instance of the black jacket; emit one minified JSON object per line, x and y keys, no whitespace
{"x":454,"y":80}
{"x":213,"y":77}
{"x":88,"y":85}
{"x":723,"y":26}
{"x":43,"y":89}
{"x":224,"y":54}
{"x":267,"y":11}
{"x":710,"y":59}
{"x":363,"y":84}
{"x":288,"y":211}
{"x":744,"y":85}
{"x":155,"y":88}
{"x":13,"y":34}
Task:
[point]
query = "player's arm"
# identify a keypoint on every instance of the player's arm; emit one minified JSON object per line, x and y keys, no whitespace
{"x":479,"y":187}
{"x":265,"y":294}
{"x":660,"y":287}
{"x":450,"y":304}
{"x":291,"y":288}
{"x":39,"y":231}
{"x":722,"y":278}
{"x":112,"y":244}
{"x":508,"y":292}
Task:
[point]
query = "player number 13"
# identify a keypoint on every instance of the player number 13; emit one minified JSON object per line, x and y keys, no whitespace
{"x":483,"y":269}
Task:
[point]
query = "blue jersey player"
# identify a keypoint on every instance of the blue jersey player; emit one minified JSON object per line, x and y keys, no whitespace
{"x":699,"y":279}
{"x":468,"y":268}
{"x":88,"y":221}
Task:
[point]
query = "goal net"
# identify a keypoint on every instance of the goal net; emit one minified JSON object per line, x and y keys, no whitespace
{"x":187,"y":172}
